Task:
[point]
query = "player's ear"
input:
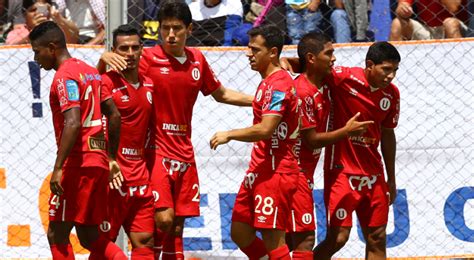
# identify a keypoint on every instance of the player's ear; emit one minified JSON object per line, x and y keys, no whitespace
{"x":310,"y":58}
{"x":274,"y":52}
{"x":369,"y":64}
{"x":189,"y":29}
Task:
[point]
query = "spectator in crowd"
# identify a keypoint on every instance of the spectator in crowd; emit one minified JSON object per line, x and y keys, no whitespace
{"x":214,"y":22}
{"x":349,"y":14}
{"x":89,"y":17}
{"x":436,"y":19}
{"x":142,"y":16}
{"x":302,"y":16}
{"x":35,"y":12}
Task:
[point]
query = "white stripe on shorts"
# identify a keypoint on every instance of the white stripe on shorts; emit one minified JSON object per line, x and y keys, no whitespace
{"x":275,"y":217}
{"x":64,"y":210}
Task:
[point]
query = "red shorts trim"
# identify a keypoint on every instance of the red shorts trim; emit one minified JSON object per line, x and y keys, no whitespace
{"x":264,"y":200}
{"x":302,"y":209}
{"x":131,"y":207}
{"x":366,"y":195}
{"x":85,"y":196}
{"x":175,"y":185}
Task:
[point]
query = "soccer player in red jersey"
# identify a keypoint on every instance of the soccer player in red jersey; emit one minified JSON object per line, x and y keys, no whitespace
{"x":316,"y":55}
{"x":353,"y":168}
{"x":79,"y":180}
{"x":179,"y":74}
{"x":264,"y":199}
{"x":131,"y":206}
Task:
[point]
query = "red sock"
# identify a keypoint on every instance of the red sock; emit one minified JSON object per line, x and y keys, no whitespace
{"x":142,"y":253}
{"x":306,"y":255}
{"x":103,"y":248}
{"x":173,"y":247}
{"x":62,"y":251}
{"x":281,"y":253}
{"x":158,"y":236}
{"x":255,"y":250}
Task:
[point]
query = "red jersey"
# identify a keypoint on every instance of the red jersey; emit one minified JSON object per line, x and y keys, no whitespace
{"x":77,"y":85}
{"x":135,"y":106}
{"x":177,"y":87}
{"x":315,"y":106}
{"x":276,"y":96}
{"x":351,"y":93}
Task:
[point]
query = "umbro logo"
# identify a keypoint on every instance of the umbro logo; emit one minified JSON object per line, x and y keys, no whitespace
{"x":165,"y":71}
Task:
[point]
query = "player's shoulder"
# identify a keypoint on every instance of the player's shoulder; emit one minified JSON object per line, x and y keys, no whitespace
{"x":394,"y":89}
{"x":303,"y":86}
{"x":147,"y":82}
{"x":194,"y":54}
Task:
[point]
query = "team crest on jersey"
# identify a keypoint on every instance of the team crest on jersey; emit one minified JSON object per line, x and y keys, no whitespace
{"x":259,"y":95}
{"x":149,"y":97}
{"x":385,"y":104}
{"x":105,"y":226}
{"x":196,"y":74}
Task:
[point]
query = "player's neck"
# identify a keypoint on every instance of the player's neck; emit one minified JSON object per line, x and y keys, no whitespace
{"x":131,"y":75}
{"x":314,"y":77}
{"x":62,"y":55}
{"x":272,"y":68}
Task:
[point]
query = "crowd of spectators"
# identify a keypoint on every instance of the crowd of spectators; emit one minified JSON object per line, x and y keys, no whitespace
{"x":225,"y":22}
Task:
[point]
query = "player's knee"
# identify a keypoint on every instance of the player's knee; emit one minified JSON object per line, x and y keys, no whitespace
{"x":376,"y":240}
{"x":164,"y":222}
{"x":339,"y":240}
{"x":142,"y":240}
{"x":306,"y":244}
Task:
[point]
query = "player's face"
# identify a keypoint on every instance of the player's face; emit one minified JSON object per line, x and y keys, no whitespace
{"x":381,"y":75}
{"x":323,"y":62}
{"x":129,"y":47}
{"x":259,"y":55}
{"x":174,"y":34}
{"x":44,"y":55}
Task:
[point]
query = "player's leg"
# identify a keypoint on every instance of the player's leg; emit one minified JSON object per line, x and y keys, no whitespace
{"x":373,"y":217}
{"x":376,"y":245}
{"x":341,"y":201}
{"x":402,"y":29}
{"x":336,"y":238}
{"x":186,"y":198}
{"x":91,"y":211}
{"x":242,"y":231}
{"x":140,"y":224}
{"x":301,"y":221}
{"x":58,"y":238}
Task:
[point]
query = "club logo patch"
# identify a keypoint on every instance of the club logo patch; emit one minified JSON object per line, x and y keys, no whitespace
{"x":385,"y":104}
{"x":72,"y":90}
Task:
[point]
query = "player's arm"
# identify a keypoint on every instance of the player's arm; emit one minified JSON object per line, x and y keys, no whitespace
{"x":72,"y":127}
{"x":113,"y":117}
{"x":291,"y":64}
{"x":231,"y":97}
{"x":388,"y":148}
{"x":352,"y":128}
{"x":257,"y":132}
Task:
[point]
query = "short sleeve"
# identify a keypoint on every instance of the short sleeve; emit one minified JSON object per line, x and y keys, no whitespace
{"x":308,"y":117}
{"x":209,"y":79}
{"x":67,"y":92}
{"x":105,"y":88}
{"x":391,"y":120}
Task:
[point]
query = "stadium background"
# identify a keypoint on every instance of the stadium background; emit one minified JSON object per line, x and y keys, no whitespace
{"x":432,"y":217}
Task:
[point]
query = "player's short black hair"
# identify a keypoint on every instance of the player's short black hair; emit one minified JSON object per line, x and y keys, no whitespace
{"x":312,"y":42}
{"x":175,"y":9}
{"x":273,"y":36}
{"x":48,"y":32}
{"x":382,"y":51}
{"x":124,"y":30}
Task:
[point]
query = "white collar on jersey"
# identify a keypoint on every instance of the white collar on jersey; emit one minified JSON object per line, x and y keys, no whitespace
{"x":181,"y":59}
{"x":135,"y":85}
{"x":372,"y":89}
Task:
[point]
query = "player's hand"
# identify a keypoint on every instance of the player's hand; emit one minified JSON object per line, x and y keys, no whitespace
{"x":355,"y":128}
{"x":115,"y":175}
{"x":392,"y":190}
{"x":55,"y":182}
{"x":286,"y":65}
{"x":218,"y":139}
{"x":404,"y":10}
{"x":114,"y":60}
